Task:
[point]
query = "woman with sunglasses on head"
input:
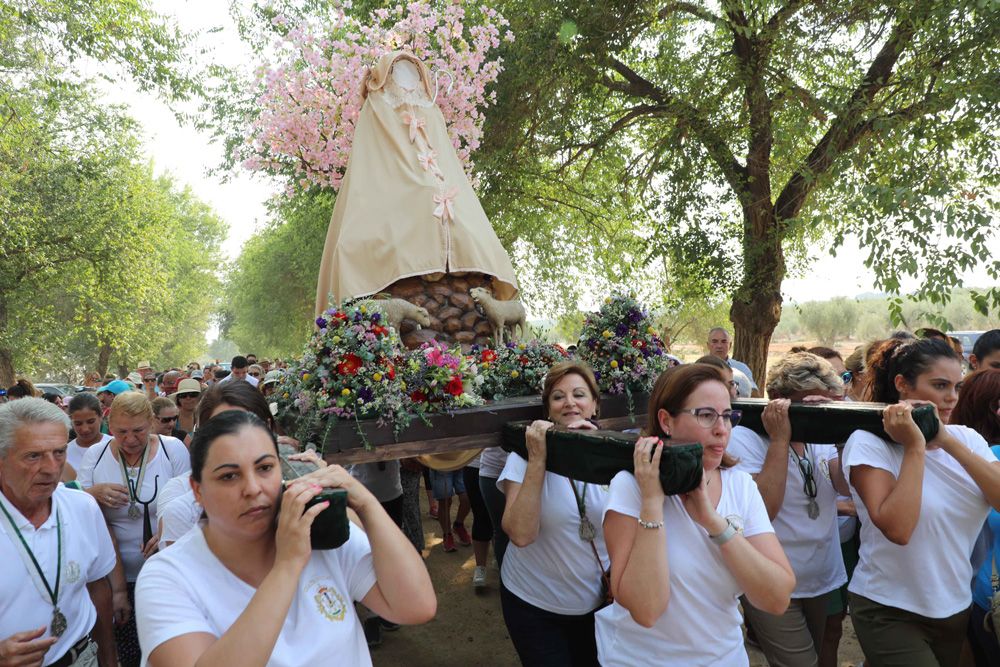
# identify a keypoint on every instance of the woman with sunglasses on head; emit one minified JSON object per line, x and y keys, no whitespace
{"x":552,"y":570}
{"x":978,"y":407}
{"x":125,"y":477}
{"x":245,"y":587}
{"x":922,"y":505}
{"x":799,"y":483}
{"x":679,"y":563}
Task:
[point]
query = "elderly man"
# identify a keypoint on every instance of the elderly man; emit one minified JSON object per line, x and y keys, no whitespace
{"x":718,"y":345}
{"x":55,"y":597}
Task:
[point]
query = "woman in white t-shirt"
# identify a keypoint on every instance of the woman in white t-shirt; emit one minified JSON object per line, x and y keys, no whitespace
{"x":679,"y":563}
{"x":799,"y":483}
{"x":246,"y":588}
{"x":921,"y":505}
{"x":85,"y":412}
{"x":125,"y":476}
{"x":552,"y":572}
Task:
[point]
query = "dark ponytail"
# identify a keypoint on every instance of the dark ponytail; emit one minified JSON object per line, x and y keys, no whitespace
{"x":909,"y":358}
{"x":229,"y":422}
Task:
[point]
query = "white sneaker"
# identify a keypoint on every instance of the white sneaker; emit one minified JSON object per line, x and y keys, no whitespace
{"x":479,"y":577}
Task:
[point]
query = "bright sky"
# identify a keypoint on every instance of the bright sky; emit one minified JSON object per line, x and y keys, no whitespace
{"x":188,"y":155}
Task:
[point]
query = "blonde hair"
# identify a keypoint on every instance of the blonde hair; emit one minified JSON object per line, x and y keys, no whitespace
{"x":131,"y":404}
{"x":159,"y":403}
{"x":802,"y":371}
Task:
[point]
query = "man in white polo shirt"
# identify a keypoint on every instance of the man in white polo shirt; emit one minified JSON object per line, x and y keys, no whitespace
{"x":718,"y":345}
{"x":55,"y":549}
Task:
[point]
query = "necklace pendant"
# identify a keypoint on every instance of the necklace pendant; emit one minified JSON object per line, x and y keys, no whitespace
{"x":813,"y":509}
{"x":58,"y":626}
{"x":587,"y":531}
{"x":133,"y":510}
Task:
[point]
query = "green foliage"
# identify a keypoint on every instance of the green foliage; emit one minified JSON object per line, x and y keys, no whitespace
{"x":271,"y":288}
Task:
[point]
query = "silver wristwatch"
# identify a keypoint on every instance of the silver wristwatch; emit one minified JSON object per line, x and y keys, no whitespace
{"x":729,"y":533}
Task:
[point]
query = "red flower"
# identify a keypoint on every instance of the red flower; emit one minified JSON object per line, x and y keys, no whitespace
{"x":489,"y":356}
{"x":454,"y":386}
{"x":561,"y":349}
{"x":524,"y":360}
{"x":390,"y":370}
{"x":350,"y":364}
{"x":418,"y":396}
{"x":340,"y":317}
{"x":380,"y":330}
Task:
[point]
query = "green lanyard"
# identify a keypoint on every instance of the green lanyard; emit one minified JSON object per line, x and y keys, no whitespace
{"x":587,"y":531}
{"x":58,"y":626}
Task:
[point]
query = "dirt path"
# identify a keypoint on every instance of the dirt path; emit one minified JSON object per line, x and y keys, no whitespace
{"x":469,"y":630}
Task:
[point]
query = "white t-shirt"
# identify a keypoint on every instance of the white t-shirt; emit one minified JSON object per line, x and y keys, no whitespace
{"x":185,"y":589}
{"x":491,"y":462}
{"x":99,"y":466}
{"x":178,"y":517}
{"x":701,"y":625}
{"x":248,"y":378}
{"x":175,"y":488}
{"x":74,"y":452}
{"x":558,"y":571}
{"x":929,"y":576}
{"x":812,"y":545}
{"x":88,"y":555}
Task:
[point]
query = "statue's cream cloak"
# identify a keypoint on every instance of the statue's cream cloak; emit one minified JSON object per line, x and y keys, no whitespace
{"x":405,"y":206}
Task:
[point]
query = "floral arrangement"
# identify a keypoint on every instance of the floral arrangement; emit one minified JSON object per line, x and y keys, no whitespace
{"x":621,"y":345}
{"x":439,"y":379}
{"x":348,"y":370}
{"x":310,"y":99}
{"x":516,"y":369}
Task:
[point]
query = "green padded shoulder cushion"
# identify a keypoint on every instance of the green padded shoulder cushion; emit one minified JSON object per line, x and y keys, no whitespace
{"x":597,"y":456}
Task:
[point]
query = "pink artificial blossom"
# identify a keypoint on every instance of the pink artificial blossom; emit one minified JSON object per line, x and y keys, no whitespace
{"x":310,"y":99}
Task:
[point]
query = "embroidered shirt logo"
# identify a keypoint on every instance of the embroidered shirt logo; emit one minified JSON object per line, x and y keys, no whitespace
{"x":329,"y":602}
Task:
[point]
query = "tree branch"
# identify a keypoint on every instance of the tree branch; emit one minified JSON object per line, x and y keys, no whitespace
{"x":691,"y":9}
{"x":636,"y":85}
{"x":848,"y":127}
{"x":780,"y":17}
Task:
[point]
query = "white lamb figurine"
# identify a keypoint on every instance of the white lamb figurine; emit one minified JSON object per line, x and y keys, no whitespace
{"x":500,"y":314}
{"x":397,"y":310}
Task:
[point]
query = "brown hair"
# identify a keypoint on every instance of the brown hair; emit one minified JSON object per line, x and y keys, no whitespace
{"x":161,"y":402}
{"x":23,"y":389}
{"x":561,"y":370}
{"x":672,"y":389}
{"x":240,"y":394}
{"x":824,"y":352}
{"x":713,"y":360}
{"x":977,"y":404}
{"x":909,"y":358}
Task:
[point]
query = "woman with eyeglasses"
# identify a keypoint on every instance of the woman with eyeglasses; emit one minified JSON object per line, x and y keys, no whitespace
{"x":125,"y":476}
{"x":799,"y":483}
{"x":165,"y":420}
{"x":679,"y":563}
{"x":978,"y":407}
{"x":187,"y":397}
{"x":921,"y":504}
{"x":255,"y":371}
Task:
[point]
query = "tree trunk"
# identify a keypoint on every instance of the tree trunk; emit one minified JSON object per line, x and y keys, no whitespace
{"x":756,"y":308}
{"x":103,"y":359}
{"x":7,"y":374}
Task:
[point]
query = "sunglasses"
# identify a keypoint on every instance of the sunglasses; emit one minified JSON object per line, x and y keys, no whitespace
{"x":167,"y":420}
{"x":179,"y":396}
{"x":846,"y":377}
{"x":255,"y":375}
{"x":149,"y":379}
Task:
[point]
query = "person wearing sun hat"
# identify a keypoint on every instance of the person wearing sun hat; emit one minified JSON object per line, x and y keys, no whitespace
{"x":270,"y":381}
{"x":186,"y":397}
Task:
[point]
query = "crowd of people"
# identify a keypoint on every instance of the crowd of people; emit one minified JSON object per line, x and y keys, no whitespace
{"x":141,"y":523}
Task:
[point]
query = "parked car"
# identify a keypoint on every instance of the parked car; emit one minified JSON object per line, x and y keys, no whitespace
{"x":57,"y":388}
{"x":968,"y":339}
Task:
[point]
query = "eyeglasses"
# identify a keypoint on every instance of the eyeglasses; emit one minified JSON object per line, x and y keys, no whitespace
{"x":255,"y":375}
{"x":846,"y":377}
{"x":806,"y":467}
{"x":167,"y":420}
{"x":187,"y":396}
{"x":708,"y":416}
